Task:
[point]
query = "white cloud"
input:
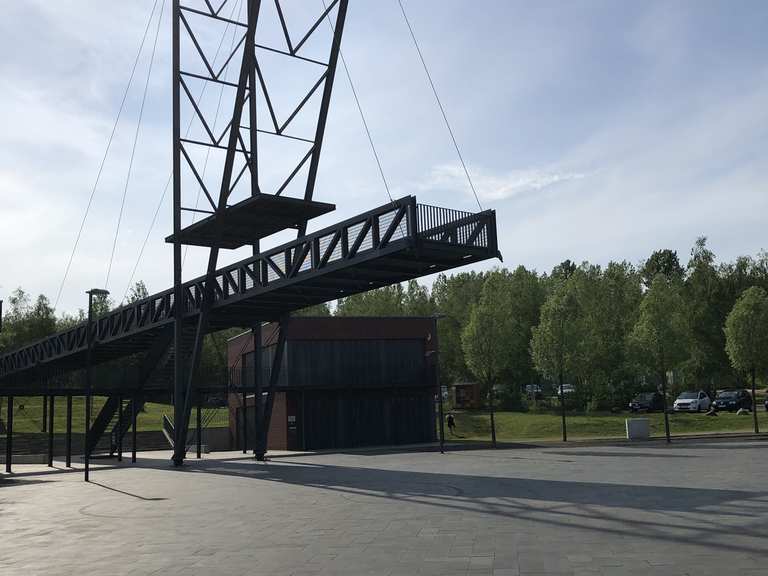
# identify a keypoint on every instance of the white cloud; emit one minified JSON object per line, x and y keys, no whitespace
{"x":493,"y":187}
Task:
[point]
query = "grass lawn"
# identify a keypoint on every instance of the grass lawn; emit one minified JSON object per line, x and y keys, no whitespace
{"x":518,"y":426}
{"x":471,"y":425}
{"x":30,"y":417}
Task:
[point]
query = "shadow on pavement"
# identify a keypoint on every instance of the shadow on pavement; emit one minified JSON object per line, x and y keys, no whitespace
{"x":7,"y":481}
{"x":702,"y":516}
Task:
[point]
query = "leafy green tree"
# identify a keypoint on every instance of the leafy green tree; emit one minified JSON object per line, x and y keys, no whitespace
{"x":706,"y":307}
{"x":137,"y":292}
{"x":453,"y":297}
{"x":485,"y":338}
{"x":527,"y":293}
{"x":386,"y":301}
{"x":660,"y":336}
{"x":316,"y":310}
{"x":737,"y":276}
{"x":746,"y":337}
{"x":417,"y":301}
{"x":392,"y":300}
{"x":608,"y":306}
{"x":563,"y":271}
{"x":661,"y":262}
{"x":556,"y":342}
{"x":759,"y":269}
{"x":26,"y":321}
{"x":213,"y":357}
{"x":67,"y":321}
{"x":102,"y":304}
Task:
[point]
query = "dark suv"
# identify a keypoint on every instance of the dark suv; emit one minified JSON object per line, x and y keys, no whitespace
{"x":732,"y":400}
{"x":647,"y":402}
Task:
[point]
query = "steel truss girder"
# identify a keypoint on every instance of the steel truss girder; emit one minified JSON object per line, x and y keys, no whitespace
{"x":132,"y":327}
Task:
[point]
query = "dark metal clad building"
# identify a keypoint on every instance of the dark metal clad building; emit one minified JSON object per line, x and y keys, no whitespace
{"x":345,"y":382}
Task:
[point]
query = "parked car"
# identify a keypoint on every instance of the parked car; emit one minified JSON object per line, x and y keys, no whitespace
{"x":647,"y":402}
{"x":692,"y":402}
{"x":766,"y":404}
{"x":567,"y":389}
{"x":732,"y":400}
{"x":535,"y":391}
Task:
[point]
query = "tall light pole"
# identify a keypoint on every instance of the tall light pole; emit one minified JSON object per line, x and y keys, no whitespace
{"x":89,"y":336}
{"x":434,"y":354}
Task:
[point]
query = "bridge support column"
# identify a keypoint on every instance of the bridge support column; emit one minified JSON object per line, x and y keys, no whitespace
{"x":178,"y":293}
{"x":199,"y":426}
{"x":51,"y":404}
{"x":244,"y":417}
{"x":69,"y":431}
{"x":258,"y":404}
{"x":120,"y":428}
{"x":274,"y":374}
{"x":134,"y":418}
{"x":9,"y":436}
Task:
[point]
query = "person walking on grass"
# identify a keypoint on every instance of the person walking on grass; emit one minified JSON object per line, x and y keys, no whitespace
{"x":451,"y":424}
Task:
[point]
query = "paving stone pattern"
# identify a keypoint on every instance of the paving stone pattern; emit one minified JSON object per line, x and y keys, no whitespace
{"x":697,"y":508}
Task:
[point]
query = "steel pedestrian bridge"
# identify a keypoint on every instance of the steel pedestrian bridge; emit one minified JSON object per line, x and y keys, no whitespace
{"x":393,"y":243}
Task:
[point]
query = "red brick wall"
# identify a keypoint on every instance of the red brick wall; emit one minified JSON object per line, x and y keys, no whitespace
{"x":277,"y":439}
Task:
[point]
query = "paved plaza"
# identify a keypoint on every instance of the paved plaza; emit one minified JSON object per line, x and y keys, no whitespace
{"x":695,"y":508}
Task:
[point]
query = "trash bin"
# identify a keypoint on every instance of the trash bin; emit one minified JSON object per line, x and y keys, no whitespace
{"x":638,"y":429}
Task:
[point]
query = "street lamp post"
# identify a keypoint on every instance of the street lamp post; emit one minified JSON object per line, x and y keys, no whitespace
{"x":88,"y":384}
{"x":435,"y":360}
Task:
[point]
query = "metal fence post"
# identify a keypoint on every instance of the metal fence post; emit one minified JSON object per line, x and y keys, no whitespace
{"x":134,"y":418}
{"x":120,"y":429}
{"x":51,"y":402}
{"x":9,"y":436}
{"x":69,"y":431}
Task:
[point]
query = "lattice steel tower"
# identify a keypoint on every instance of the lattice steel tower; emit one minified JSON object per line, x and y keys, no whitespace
{"x":242,"y":207}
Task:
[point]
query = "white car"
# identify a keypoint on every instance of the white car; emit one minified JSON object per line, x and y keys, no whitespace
{"x":567,"y":389}
{"x":692,"y":402}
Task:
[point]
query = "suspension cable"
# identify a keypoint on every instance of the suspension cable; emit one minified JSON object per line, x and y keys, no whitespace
{"x":104,"y":157}
{"x":146,"y":238}
{"x":360,"y":110}
{"x":440,"y":104}
{"x":135,"y":142}
{"x":170,"y":176}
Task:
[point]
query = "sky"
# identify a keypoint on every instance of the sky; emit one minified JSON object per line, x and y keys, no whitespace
{"x":598,"y":131}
